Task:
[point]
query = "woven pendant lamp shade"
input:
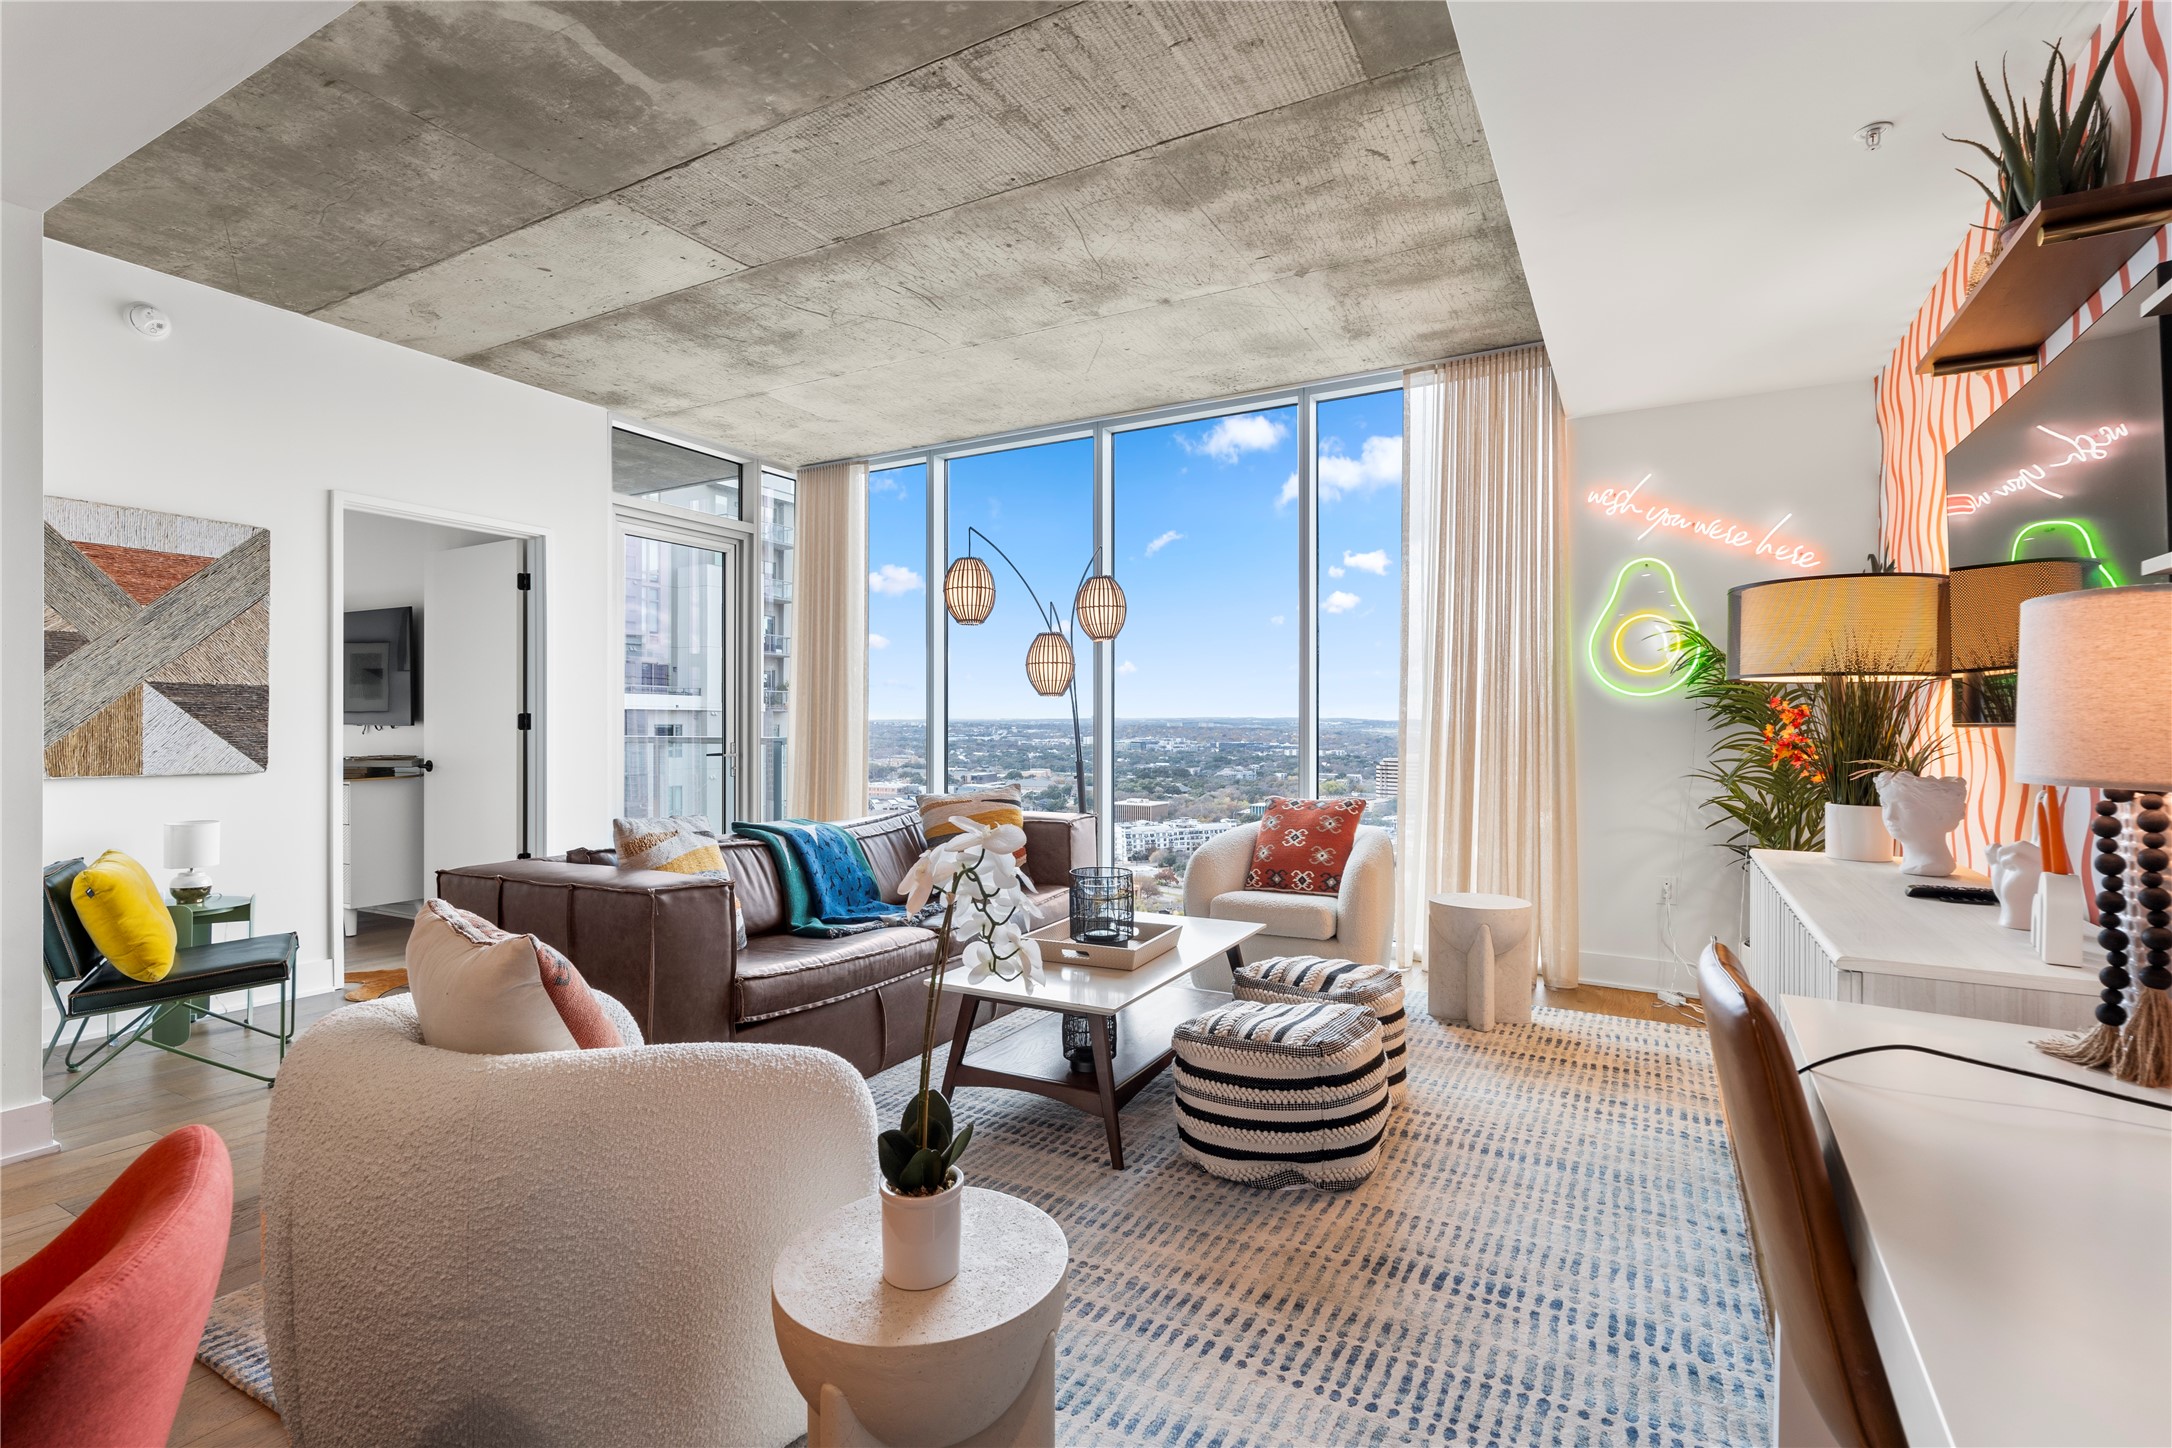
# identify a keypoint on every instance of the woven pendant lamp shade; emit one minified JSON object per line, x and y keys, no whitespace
{"x":1048,"y":664}
{"x":2084,"y":717}
{"x":1864,"y":625}
{"x":1100,"y":607}
{"x":1986,"y":606}
{"x":969,"y":590}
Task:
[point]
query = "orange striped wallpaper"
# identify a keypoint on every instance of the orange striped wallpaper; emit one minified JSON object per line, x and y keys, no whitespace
{"x":1920,"y":418}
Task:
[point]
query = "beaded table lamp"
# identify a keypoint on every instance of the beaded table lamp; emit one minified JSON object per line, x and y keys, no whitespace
{"x":2080,"y":722}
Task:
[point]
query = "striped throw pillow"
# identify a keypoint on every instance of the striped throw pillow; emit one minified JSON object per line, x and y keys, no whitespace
{"x":672,"y":844}
{"x":944,"y":815}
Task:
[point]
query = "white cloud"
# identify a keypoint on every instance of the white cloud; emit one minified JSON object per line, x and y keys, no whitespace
{"x":877,"y":641}
{"x":1373,"y":562}
{"x":1336,"y":570}
{"x":1162,"y":542}
{"x":1288,"y":494}
{"x":1378,"y":463}
{"x":1127,"y":667}
{"x":1276,"y":620}
{"x":884,"y":483}
{"x":893,"y":579}
{"x":1338,"y":602}
{"x":1232,"y":437}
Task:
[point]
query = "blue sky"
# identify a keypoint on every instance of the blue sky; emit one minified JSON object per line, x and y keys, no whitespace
{"x":1206,"y":550}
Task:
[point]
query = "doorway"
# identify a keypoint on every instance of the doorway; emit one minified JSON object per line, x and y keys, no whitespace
{"x":436,"y":657}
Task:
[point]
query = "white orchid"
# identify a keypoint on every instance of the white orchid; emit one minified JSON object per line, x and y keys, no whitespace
{"x":978,"y":869}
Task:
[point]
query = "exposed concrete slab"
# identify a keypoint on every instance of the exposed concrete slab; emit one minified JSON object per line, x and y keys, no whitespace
{"x":596,"y":257}
{"x":1392,"y":35}
{"x":595,"y":96}
{"x":297,"y":190}
{"x":1081,"y":86}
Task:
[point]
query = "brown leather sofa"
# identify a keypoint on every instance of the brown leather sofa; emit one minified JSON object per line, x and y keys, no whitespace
{"x":663,"y":944}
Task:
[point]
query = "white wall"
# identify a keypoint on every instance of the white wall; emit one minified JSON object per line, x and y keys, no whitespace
{"x":26,"y":1117}
{"x":1812,"y":452}
{"x":254,"y":415}
{"x":384,"y":570}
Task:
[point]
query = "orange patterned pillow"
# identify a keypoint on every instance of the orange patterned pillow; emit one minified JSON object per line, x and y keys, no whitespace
{"x":489,"y":992}
{"x":1304,"y":845}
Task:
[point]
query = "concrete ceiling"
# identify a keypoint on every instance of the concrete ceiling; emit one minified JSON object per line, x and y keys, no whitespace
{"x":1693,"y":208}
{"x":827,"y":230}
{"x":72,"y":102}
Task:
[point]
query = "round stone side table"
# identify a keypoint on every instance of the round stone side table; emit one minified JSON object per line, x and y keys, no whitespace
{"x":1479,"y":964}
{"x":971,"y":1363}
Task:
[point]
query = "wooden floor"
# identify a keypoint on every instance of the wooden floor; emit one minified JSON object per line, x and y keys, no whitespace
{"x":147,"y":1093}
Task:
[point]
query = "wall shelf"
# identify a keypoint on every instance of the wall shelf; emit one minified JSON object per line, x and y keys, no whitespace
{"x":2036,"y":284}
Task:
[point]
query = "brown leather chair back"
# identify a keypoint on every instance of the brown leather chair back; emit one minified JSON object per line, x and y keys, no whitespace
{"x":1802,"y":1249}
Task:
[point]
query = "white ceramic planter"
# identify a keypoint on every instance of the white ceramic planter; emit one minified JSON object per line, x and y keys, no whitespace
{"x":1857,"y":832}
{"x":920,"y":1236}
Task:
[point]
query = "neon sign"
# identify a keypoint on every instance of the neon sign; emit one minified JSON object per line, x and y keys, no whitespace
{"x":1718,"y":528}
{"x":1639,"y":637}
{"x":2092,"y":546}
{"x":2084,"y":447}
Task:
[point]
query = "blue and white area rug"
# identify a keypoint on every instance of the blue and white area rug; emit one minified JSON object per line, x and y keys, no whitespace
{"x":1552,"y":1252}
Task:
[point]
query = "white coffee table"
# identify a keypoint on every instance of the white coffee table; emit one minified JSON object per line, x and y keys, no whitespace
{"x":972,"y":1362}
{"x":1155,"y":999}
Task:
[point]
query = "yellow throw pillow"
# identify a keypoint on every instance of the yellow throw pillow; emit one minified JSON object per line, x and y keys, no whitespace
{"x":942,"y":815}
{"x":119,"y":905}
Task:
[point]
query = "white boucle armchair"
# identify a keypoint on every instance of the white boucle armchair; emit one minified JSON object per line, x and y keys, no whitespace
{"x":1353,"y":924}
{"x":572,"y":1247}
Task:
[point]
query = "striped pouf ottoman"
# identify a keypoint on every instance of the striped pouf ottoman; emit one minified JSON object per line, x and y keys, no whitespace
{"x":1378,"y":988}
{"x":1273,"y":1093}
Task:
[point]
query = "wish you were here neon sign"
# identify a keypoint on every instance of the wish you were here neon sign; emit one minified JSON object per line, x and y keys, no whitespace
{"x":1634,"y":506}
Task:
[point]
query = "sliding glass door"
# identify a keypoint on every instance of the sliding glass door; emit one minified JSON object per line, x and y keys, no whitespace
{"x":677,"y":703}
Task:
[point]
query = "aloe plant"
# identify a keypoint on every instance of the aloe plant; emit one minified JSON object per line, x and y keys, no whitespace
{"x":2057,"y":150}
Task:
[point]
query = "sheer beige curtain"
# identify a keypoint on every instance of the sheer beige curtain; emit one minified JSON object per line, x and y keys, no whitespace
{"x":829,"y":645}
{"x":1488,"y":750}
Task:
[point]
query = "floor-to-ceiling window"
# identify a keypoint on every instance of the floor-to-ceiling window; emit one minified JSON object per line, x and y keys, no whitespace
{"x":1207,"y":677}
{"x":897,"y":635}
{"x":1033,"y":506}
{"x":1360,"y":530}
{"x":1259,"y":547}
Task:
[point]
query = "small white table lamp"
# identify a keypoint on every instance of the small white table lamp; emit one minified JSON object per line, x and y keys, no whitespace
{"x":191,"y":845}
{"x":2088,"y":715}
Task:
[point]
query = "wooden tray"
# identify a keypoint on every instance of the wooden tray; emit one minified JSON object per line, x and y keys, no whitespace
{"x":1154,"y":938}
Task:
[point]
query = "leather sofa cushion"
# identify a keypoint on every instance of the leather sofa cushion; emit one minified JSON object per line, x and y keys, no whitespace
{"x":754,"y":876}
{"x":1294,"y":917}
{"x":892,"y":842}
{"x":779,"y":974}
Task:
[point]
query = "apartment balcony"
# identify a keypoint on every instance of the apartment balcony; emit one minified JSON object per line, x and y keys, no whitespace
{"x":780,"y":536}
{"x":776,"y":590}
{"x":776,"y":643}
{"x":775,"y":698}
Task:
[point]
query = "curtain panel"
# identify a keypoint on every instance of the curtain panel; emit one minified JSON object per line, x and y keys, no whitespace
{"x":828,"y":769}
{"x":1488,"y":798}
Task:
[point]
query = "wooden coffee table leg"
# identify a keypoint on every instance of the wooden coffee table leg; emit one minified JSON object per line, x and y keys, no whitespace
{"x":1105,"y":1086}
{"x":968,"y":1007}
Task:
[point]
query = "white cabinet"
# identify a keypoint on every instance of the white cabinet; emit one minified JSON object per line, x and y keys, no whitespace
{"x":381,"y":836}
{"x":1848,"y":931}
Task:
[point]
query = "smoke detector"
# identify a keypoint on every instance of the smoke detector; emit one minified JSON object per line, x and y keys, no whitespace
{"x":1873,"y":135}
{"x":150,"y":321}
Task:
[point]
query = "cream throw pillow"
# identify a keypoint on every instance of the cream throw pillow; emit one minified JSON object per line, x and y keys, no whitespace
{"x":488,"y":992}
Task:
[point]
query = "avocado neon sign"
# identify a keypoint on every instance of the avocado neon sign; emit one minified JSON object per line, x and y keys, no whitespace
{"x":1714,"y":527}
{"x":2084,"y":536}
{"x":1630,"y":643}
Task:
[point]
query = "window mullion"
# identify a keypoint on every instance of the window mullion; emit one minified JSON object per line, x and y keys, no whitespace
{"x":1308,"y":596}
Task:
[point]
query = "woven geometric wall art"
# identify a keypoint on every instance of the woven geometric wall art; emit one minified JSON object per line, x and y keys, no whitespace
{"x":157,"y":643}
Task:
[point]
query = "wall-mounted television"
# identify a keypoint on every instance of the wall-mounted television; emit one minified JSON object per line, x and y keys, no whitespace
{"x":382,"y":666}
{"x":2072,"y":466}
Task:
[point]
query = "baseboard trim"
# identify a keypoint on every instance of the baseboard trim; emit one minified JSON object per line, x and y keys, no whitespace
{"x":1635,"y":972}
{"x":27,"y":1131}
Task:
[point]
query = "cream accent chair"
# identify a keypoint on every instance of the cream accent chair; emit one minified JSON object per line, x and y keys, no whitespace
{"x":572,"y":1247}
{"x":1352,"y":924}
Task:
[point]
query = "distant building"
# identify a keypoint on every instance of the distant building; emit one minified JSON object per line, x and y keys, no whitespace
{"x":1139,"y":840}
{"x":1143,"y":809}
{"x":1388,"y":777}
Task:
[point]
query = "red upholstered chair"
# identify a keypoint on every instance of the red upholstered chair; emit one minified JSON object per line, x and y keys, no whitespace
{"x":101,"y":1325}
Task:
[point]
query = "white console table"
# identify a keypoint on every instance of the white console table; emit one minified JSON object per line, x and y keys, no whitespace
{"x":1847,"y":931}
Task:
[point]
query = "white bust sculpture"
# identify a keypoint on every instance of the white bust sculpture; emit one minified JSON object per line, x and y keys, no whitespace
{"x":2015,"y":869}
{"x":1921,"y":813}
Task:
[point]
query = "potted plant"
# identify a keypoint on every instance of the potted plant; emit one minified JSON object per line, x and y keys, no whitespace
{"x":2060,"y":148}
{"x":922,"y":1189}
{"x":1764,"y":768}
{"x":1865,"y":724}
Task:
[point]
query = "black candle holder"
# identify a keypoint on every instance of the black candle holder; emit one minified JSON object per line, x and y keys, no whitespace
{"x":1078,"y":1041}
{"x":1103,"y":905}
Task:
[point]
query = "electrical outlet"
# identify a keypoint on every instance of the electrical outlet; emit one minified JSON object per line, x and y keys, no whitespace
{"x":1666,"y":891}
